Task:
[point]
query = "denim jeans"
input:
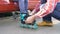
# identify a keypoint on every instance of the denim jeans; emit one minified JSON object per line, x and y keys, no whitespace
{"x":43,"y":1}
{"x":55,"y":14}
{"x":15,"y":0}
{"x":23,"y":5}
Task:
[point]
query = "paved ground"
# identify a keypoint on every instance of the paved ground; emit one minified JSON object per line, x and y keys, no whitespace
{"x":11,"y":26}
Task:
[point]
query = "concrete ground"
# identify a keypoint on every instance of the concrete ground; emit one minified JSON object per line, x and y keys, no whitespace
{"x":11,"y":26}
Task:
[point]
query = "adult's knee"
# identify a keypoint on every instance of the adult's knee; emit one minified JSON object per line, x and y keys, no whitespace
{"x":56,"y":14}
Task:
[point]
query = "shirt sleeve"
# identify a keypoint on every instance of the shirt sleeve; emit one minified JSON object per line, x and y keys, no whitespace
{"x":37,"y":8}
{"x":48,"y":8}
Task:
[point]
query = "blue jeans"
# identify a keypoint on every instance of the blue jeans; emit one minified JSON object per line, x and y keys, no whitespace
{"x":23,"y":5}
{"x":43,"y":1}
{"x":55,"y":14}
{"x":15,"y":0}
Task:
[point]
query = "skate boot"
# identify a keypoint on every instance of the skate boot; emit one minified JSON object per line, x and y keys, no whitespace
{"x":45,"y":23}
{"x":24,"y":25}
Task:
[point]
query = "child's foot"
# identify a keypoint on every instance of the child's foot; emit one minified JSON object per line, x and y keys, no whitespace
{"x":44,"y":23}
{"x":23,"y":17}
{"x":27,"y":25}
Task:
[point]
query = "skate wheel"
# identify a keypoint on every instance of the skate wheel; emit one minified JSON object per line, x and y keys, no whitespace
{"x":29,"y":26}
{"x":21,"y":25}
{"x":35,"y":27}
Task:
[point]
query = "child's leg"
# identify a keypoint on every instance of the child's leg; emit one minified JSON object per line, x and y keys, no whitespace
{"x":26,"y":5}
{"x":23,"y":4}
{"x":23,"y":10}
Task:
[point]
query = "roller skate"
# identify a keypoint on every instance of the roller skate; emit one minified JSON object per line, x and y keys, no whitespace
{"x":24,"y":25}
{"x":45,"y":23}
{"x":33,"y":25}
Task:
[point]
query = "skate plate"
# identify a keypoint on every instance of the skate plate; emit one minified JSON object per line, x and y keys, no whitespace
{"x":29,"y":26}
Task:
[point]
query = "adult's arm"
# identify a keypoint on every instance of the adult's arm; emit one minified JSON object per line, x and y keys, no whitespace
{"x":47,"y":9}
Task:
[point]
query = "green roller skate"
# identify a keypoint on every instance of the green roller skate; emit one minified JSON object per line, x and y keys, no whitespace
{"x":22,"y":24}
{"x":29,"y":26}
{"x":23,"y":18}
{"x":33,"y":25}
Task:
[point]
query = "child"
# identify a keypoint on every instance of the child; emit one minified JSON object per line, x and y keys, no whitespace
{"x":23,"y":5}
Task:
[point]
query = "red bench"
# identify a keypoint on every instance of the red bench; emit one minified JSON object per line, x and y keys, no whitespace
{"x":10,"y":6}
